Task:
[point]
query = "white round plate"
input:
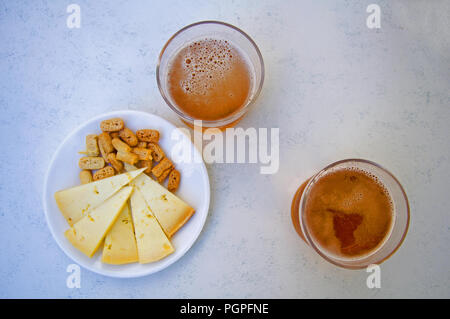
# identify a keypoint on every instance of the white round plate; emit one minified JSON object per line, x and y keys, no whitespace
{"x":64,"y":173}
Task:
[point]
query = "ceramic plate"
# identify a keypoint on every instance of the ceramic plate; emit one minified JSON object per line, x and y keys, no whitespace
{"x":194,"y":189}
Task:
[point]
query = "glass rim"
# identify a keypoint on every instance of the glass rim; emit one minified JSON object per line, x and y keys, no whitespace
{"x":307,"y":190}
{"x":232,"y":117}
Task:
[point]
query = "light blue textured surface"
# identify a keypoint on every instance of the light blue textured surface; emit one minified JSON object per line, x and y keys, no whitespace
{"x":334,"y":87}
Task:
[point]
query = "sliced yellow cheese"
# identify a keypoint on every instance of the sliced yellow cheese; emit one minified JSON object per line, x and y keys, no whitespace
{"x":120,"y":243}
{"x":171,"y":211}
{"x":152,"y":242}
{"x":87,"y":234}
{"x":75,"y":202}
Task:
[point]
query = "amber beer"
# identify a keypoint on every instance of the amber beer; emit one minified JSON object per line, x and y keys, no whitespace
{"x":353,"y":213}
{"x":349,"y":213}
{"x":209,"y":79}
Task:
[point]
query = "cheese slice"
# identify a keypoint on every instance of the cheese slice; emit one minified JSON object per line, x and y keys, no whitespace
{"x":87,"y":234}
{"x":75,"y":202}
{"x":170,"y":210}
{"x":120,"y":243}
{"x":152,"y":242}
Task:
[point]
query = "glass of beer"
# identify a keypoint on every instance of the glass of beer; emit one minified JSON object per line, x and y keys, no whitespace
{"x":210,"y":71}
{"x":353,"y":213}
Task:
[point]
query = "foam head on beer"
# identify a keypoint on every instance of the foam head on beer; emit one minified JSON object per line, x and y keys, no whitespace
{"x":349,"y":213}
{"x":209,"y":79}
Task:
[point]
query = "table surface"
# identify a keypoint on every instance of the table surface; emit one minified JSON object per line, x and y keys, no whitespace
{"x":335,"y":88}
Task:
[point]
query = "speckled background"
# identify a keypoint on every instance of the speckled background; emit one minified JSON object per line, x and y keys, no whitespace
{"x":335,"y":88}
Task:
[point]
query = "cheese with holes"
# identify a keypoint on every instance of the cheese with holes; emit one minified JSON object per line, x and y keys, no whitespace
{"x":120,"y":243}
{"x":152,"y":242}
{"x":88,"y":233}
{"x":75,"y":202}
{"x":171,"y":211}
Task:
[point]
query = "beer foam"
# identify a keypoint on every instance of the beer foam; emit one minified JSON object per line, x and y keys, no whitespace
{"x":206,"y":62}
{"x":210,"y":78}
{"x":372,"y":176}
{"x":349,"y":216}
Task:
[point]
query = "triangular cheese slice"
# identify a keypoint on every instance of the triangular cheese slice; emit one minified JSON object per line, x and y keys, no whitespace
{"x":120,"y":243}
{"x":75,"y":202}
{"x":151,"y":241}
{"x":87,"y":234}
{"x":170,"y":210}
